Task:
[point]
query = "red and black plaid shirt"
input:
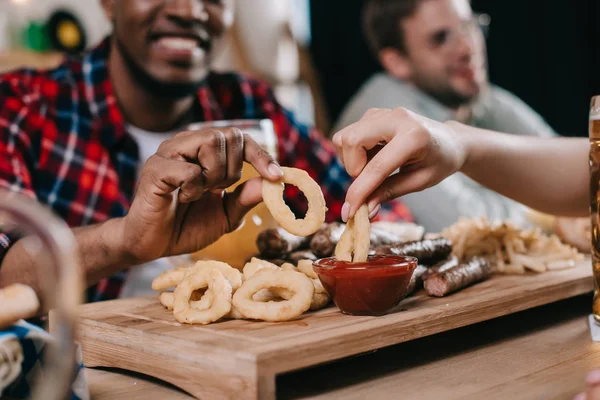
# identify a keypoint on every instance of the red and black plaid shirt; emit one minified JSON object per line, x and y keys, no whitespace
{"x":63,"y":141}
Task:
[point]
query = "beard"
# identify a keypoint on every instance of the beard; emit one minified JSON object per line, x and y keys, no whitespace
{"x":444,"y":93}
{"x":156,"y":87}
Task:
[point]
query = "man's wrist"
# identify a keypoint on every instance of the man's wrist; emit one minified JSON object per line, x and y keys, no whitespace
{"x":114,"y":244}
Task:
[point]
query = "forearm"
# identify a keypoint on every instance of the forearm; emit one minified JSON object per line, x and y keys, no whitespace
{"x":550,"y":175}
{"x":100,"y":255}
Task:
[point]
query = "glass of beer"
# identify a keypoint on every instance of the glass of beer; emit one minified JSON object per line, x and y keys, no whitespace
{"x":594,"y":133}
{"x":238,"y":246}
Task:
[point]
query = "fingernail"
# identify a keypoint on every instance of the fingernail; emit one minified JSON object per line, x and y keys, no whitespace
{"x":593,"y":378}
{"x":375,"y":211}
{"x":580,"y":396}
{"x":345,"y":211}
{"x":275,"y":170}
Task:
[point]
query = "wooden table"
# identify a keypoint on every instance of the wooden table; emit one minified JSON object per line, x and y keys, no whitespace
{"x":543,"y":353}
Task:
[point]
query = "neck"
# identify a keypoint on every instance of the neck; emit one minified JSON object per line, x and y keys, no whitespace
{"x":141,"y":108}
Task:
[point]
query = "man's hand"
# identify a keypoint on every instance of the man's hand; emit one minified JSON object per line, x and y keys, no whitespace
{"x":180,"y":205}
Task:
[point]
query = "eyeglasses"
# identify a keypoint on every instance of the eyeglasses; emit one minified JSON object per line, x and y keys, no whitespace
{"x":483,"y":22}
{"x":448,"y":39}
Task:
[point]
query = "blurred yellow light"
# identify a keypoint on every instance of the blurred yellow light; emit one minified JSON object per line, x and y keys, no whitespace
{"x":68,"y":34}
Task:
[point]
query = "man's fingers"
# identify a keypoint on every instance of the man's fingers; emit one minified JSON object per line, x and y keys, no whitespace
{"x":261,"y":160}
{"x":162,"y":176}
{"x":235,"y":157}
{"x":206,"y":148}
{"x":245,"y":197}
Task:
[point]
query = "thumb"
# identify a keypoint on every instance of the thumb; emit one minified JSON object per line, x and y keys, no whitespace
{"x":244,"y":198}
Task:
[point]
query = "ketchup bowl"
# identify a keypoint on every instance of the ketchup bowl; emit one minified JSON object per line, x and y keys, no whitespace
{"x":370,"y":288}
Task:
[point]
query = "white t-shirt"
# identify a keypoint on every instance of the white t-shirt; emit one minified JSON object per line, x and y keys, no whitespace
{"x":139,"y":279}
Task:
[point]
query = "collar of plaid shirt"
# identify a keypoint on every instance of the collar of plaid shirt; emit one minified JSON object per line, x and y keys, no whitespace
{"x":63,"y":141}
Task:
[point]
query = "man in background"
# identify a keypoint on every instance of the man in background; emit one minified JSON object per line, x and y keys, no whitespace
{"x":433,"y":53}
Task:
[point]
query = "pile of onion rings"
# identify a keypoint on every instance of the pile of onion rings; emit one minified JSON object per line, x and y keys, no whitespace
{"x":210,"y":290}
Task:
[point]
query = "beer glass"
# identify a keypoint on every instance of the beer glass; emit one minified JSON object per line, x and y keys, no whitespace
{"x":594,"y":133}
{"x":237,"y":247}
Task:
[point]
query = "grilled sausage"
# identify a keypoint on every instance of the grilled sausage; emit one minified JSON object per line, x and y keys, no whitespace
{"x":459,"y":277}
{"x":325,"y":239}
{"x":427,"y":251}
{"x":416,"y":280}
{"x":301,"y":255}
{"x":441,"y":267}
{"x":276,"y":243}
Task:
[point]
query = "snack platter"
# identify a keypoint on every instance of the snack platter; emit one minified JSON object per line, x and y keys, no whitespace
{"x":219,"y":332}
{"x":241,"y":358}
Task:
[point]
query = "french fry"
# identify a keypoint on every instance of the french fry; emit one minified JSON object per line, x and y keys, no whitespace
{"x":510,"y":249}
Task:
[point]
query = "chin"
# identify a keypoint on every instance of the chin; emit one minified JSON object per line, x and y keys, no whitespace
{"x":180,"y":76}
{"x":468,"y":91}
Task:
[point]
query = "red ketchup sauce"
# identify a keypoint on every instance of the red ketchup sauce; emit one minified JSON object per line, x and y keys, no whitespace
{"x":370,"y":288}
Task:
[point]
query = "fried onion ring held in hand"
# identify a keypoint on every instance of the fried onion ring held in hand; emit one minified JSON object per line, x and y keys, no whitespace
{"x":273,"y":197}
{"x":355,"y":241}
{"x":172,"y":277}
{"x":221,"y":297}
{"x":285,"y":310}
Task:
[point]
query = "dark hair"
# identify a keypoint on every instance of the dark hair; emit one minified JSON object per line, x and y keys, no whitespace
{"x":382,"y":23}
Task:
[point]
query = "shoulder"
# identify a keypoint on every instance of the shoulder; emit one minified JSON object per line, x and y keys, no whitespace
{"x":30,"y":86}
{"x":505,"y":111}
{"x":379,"y":91}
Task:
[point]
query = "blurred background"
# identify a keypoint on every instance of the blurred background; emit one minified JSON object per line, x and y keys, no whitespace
{"x":314,"y":53}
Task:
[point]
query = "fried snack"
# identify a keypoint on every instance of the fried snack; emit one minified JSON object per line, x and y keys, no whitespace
{"x":320,"y":296}
{"x":18,"y":302}
{"x":355,"y":241}
{"x":289,"y":267}
{"x":306,"y":267}
{"x":255,"y":265}
{"x":509,"y":249}
{"x":171,"y":278}
{"x":319,"y":301}
{"x":198,"y":279}
{"x":234,"y":314}
{"x":285,"y":310}
{"x":199,"y":300}
{"x":273,"y":198}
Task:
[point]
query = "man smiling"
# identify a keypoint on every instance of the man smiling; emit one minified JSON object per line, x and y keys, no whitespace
{"x":76,"y":139}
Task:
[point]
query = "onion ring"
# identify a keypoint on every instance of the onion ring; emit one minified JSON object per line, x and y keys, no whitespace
{"x":172,"y":277}
{"x":354,"y":243}
{"x":198,"y":300}
{"x":234,"y":314}
{"x":273,"y":197}
{"x":285,"y":310}
{"x":288,"y":267}
{"x":306,"y":267}
{"x":221,"y":301}
{"x":255,"y":265}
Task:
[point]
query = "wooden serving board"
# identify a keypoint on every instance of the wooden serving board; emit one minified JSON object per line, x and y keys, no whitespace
{"x":240,"y":359}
